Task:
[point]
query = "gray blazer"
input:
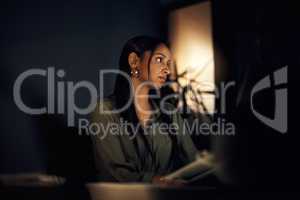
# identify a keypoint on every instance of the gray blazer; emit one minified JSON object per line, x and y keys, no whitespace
{"x":121,"y":157}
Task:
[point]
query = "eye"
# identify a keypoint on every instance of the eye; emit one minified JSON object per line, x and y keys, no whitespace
{"x":158,"y":59}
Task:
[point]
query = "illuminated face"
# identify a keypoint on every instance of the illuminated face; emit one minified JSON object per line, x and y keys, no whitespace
{"x":160,"y":65}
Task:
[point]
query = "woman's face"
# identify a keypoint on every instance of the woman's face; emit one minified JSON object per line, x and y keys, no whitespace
{"x":160,"y":62}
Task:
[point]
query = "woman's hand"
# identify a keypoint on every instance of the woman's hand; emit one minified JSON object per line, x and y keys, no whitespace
{"x":159,"y":180}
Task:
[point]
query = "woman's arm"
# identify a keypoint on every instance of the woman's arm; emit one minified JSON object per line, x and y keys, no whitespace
{"x":186,"y":144}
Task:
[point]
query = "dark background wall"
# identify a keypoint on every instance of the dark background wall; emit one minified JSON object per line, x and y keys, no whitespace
{"x":80,"y":37}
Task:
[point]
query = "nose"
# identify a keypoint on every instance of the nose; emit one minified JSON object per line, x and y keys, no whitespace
{"x":166,"y":70}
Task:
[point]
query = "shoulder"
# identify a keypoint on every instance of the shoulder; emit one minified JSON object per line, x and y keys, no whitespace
{"x":174,"y":112}
{"x":107,"y":103}
{"x":105,"y":109}
{"x":168,"y":108}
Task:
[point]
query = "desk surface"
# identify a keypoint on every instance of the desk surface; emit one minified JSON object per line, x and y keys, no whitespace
{"x":132,"y":191}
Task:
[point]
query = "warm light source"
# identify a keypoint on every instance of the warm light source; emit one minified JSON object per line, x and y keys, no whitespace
{"x":190,"y":33}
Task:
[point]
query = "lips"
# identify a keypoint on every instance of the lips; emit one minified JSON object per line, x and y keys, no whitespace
{"x":162,"y":78}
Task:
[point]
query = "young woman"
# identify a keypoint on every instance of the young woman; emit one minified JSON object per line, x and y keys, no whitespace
{"x":140,"y":150}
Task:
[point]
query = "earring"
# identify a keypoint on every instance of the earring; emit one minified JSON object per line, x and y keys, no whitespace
{"x":135,"y":72}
